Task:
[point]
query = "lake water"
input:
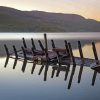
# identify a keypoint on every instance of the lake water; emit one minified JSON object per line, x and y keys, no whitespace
{"x":16,"y":85}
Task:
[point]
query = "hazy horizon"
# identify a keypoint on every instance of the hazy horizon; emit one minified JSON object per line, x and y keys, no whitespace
{"x":88,"y":9}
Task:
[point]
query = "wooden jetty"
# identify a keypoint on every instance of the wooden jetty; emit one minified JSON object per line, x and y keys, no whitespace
{"x":60,"y":59}
{"x":56,"y":55}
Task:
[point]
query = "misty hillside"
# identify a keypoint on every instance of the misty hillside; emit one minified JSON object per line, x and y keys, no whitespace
{"x":12,"y":20}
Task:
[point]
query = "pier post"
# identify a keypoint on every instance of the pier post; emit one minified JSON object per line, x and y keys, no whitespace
{"x":96,"y":58}
{"x":53,"y":44}
{"x":95,"y":51}
{"x":67,"y":48}
{"x":33,"y":44}
{"x":15,"y":51}
{"x":24,"y":53}
{"x":6,"y":49}
{"x":80,"y":50}
{"x":24,"y":43}
{"x":71,"y":53}
{"x":42,"y":47}
{"x":46,"y":47}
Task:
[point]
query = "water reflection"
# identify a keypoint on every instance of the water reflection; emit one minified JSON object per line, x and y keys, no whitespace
{"x":56,"y":69}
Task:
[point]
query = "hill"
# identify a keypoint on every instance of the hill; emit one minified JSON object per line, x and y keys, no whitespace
{"x":12,"y":20}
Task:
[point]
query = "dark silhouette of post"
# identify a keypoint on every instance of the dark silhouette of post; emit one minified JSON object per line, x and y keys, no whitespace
{"x":53,"y":72}
{"x":67,"y":71}
{"x":33,"y":67}
{"x":71,"y":77}
{"x":46,"y":47}
{"x":53,"y":44}
{"x":67,"y":48}
{"x":6,"y":62}
{"x":33,"y":44}
{"x":41,"y":45}
{"x":6,"y":49}
{"x":45,"y":72}
{"x":41,"y":69}
{"x":96,"y":58}
{"x":16,"y":57}
{"x":25,"y":60}
{"x":24,"y":43}
{"x":82,"y":59}
{"x":68,"y":65}
{"x":71,"y":54}
{"x":8,"y":55}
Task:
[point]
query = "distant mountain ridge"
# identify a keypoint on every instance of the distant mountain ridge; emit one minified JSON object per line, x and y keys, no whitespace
{"x":12,"y":20}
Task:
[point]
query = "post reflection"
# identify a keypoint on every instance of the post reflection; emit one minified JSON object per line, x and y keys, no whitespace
{"x":54,"y":69}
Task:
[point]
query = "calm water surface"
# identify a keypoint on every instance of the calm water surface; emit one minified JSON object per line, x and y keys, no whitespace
{"x":16,"y":85}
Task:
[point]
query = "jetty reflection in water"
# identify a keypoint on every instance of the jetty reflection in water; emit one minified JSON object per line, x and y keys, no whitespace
{"x":68,"y":70}
{"x":22,"y":80}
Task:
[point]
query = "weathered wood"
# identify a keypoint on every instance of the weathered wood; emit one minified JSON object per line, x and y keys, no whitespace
{"x":24,"y":43}
{"x":80,"y":49}
{"x":41,"y":69}
{"x":33,"y":44}
{"x":6,"y":62}
{"x":45,"y":72}
{"x":33,"y":67}
{"x":95,"y":51}
{"x":67,"y":48}
{"x":82,"y":59}
{"x":71,"y":53}
{"x":15,"y":63}
{"x":71,"y":77}
{"x":24,"y":53}
{"x":53,"y":44}
{"x":46,"y":47}
{"x":41,"y":45}
{"x":6,"y":49}
{"x":15,"y":51}
{"x":96,"y":58}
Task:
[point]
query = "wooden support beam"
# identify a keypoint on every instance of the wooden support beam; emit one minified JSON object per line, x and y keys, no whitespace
{"x":67,"y":71}
{"x":41,"y":45}
{"x":82,"y":58}
{"x":15,"y":51}
{"x":95,"y":52}
{"x":6,"y":49}
{"x":33,"y":44}
{"x":45,"y":72}
{"x":24,"y":53}
{"x":71,"y":77}
{"x":33,"y":52}
{"x":80,"y":49}
{"x":71,"y":53}
{"x":41,"y":69}
{"x":96,"y":58}
{"x":24,"y":43}
{"x":33,"y":67}
{"x":15,"y":63}
{"x":6,"y":62}
{"x":53,"y":72}
{"x":53,"y":44}
{"x":46,"y":47}
{"x":67,"y":48}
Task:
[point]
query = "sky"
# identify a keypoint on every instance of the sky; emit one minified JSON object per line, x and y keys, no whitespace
{"x":86,"y":8}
